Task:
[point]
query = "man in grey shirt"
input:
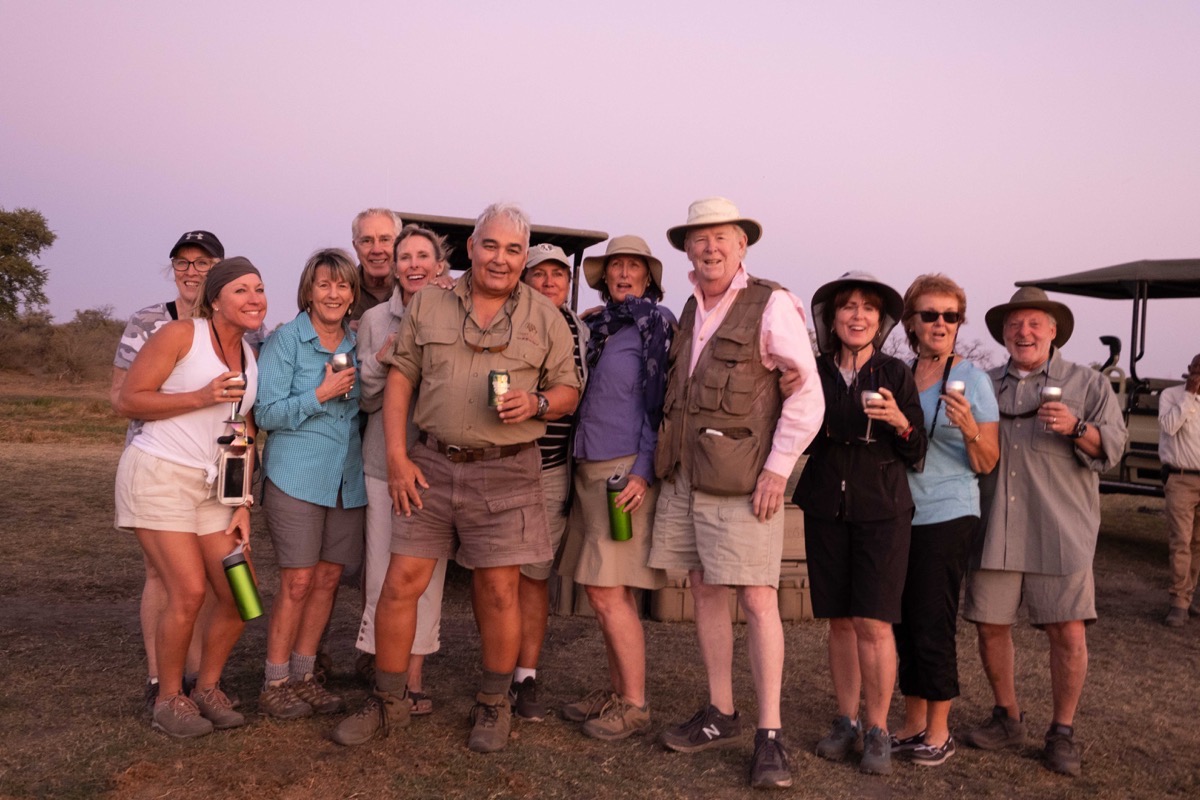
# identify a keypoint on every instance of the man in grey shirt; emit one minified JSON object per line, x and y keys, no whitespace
{"x":1043,"y":519}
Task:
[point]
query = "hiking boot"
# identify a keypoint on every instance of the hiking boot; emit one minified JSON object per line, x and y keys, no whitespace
{"x":707,"y":728}
{"x":364,"y":668}
{"x":1062,"y":753}
{"x":905,"y":746}
{"x":323,"y":668}
{"x":587,"y":707}
{"x":877,"y":753}
{"x":619,"y":719}
{"x":280,"y":701}
{"x":383,"y":712}
{"x":771,"y":767}
{"x":1176,"y":618}
{"x":317,"y":696}
{"x":215,"y":706}
{"x":926,"y":755}
{"x":491,"y":720}
{"x":998,"y":732}
{"x":523,"y":699}
{"x":178,"y":716}
{"x":843,"y":737}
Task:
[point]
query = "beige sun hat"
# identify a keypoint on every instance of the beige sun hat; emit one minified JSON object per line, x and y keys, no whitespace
{"x":714,"y":211}
{"x":593,"y":266}
{"x":1031,"y":297}
{"x":545,"y":251}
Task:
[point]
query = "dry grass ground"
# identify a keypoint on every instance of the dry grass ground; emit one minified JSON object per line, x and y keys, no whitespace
{"x":71,"y":659}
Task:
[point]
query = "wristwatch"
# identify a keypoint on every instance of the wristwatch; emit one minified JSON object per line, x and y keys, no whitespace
{"x":543,"y":405}
{"x":1081,"y":428}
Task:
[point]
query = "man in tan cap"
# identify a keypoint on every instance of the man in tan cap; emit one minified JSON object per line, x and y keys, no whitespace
{"x":729,"y":440}
{"x":1060,"y":427}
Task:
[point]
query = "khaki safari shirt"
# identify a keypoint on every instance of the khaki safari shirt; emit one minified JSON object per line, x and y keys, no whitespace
{"x":451,"y":379}
{"x":1044,"y":514}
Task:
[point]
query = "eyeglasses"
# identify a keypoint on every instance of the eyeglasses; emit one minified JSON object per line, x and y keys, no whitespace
{"x":951,"y":317}
{"x":202,"y":265}
{"x":482,"y":334}
{"x":369,"y":241}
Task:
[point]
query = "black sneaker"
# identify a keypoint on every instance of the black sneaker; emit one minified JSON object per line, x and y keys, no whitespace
{"x":771,"y":767}
{"x":904,"y":747}
{"x":523,"y":699}
{"x":1062,"y":753}
{"x":926,"y":755}
{"x":707,"y":728}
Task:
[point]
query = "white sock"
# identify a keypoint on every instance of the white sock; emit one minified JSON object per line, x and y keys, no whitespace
{"x":521,"y":673}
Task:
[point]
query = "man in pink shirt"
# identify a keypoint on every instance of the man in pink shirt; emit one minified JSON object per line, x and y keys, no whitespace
{"x":728,"y":442}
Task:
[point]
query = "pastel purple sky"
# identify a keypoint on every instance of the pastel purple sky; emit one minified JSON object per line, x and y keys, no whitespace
{"x":989,"y":141}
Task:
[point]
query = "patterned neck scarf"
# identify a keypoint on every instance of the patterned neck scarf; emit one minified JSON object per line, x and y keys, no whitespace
{"x":655,"y":330}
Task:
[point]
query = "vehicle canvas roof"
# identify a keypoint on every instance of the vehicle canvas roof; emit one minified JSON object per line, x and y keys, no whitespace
{"x":1163,"y":278}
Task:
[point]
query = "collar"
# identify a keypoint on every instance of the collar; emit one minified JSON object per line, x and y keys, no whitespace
{"x":1055,"y":367}
{"x":463,"y":290}
{"x":308,"y":333}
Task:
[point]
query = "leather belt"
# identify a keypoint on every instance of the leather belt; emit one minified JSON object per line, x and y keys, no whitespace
{"x":462,"y":455}
{"x":1167,"y":468}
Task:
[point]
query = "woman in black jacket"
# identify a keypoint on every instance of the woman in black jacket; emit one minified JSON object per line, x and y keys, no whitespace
{"x":857,"y":506}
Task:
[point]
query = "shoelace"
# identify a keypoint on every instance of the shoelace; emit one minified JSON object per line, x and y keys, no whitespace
{"x":183,"y":707}
{"x":486,"y":715}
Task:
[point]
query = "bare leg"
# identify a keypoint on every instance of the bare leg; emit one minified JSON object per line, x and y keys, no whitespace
{"x":916,"y":713}
{"x":318,"y":608}
{"x":416,"y":664}
{"x":843,"y":665}
{"x":295,"y":585}
{"x":996,"y":653}
{"x":624,"y":639}
{"x":535,"y":612}
{"x":877,"y":663}
{"x":714,"y":633}
{"x":154,"y":603}
{"x":1068,"y":667}
{"x":498,"y":616}
{"x":177,"y":558}
{"x":225,"y":624}
{"x":761,"y":605}
{"x":937,"y":723}
{"x":396,"y":611}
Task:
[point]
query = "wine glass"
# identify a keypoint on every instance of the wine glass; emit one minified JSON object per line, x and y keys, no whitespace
{"x":1050,"y":394}
{"x":954,"y":387}
{"x":868,"y":398}
{"x":235,"y":418}
{"x":339,"y":362}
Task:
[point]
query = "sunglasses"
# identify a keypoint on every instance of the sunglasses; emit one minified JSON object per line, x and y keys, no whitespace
{"x":951,"y":317}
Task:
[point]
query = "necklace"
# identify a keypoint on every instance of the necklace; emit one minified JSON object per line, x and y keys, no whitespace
{"x":228,"y":365}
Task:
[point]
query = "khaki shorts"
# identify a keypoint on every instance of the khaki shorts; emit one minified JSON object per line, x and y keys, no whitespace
{"x":481,"y":514}
{"x":304,"y":533}
{"x":556,"y":485}
{"x":157,"y":495}
{"x":719,"y":536}
{"x":993,"y":597}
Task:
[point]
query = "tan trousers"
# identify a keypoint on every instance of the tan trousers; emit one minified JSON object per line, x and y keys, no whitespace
{"x":1183,"y":536}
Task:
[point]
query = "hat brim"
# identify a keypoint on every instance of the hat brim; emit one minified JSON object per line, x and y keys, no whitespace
{"x":593,"y":268}
{"x":1063,"y":318}
{"x":893,"y":309}
{"x":677,"y":234}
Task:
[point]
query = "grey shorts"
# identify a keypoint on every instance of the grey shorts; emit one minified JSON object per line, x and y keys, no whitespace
{"x":556,"y":485}
{"x":993,"y":597}
{"x":305,"y":533}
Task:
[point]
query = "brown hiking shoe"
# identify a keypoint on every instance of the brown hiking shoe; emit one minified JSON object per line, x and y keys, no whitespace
{"x":317,"y":696}
{"x":383,"y":712}
{"x":216,"y":707}
{"x":619,"y":719}
{"x":998,"y":732}
{"x":587,"y":707}
{"x":178,"y":716}
{"x":1062,"y":754}
{"x":491,"y":718}
{"x":280,"y":701}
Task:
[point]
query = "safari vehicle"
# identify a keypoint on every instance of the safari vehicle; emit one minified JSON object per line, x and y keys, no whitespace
{"x":1139,"y":470}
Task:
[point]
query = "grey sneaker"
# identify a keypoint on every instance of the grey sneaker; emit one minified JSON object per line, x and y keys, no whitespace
{"x":998,"y":732}
{"x":317,"y":696}
{"x":843,"y":737}
{"x":587,"y":707}
{"x":491,"y":721}
{"x":707,"y":728}
{"x":522,"y":697}
{"x":178,"y":716}
{"x":1062,"y":753}
{"x":771,"y":767}
{"x":382,"y":712}
{"x":877,"y":753}
{"x":619,"y":719}
{"x":216,"y":707}
{"x":1176,"y":618}
{"x":281,"y":702}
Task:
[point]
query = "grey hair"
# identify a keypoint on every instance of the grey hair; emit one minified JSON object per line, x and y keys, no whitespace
{"x":375,"y":212}
{"x":504,"y":210}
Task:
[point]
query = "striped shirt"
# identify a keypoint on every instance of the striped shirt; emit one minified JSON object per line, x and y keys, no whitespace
{"x":555,"y":445}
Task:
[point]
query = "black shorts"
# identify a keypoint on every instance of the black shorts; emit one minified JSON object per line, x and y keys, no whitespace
{"x":857,"y":569}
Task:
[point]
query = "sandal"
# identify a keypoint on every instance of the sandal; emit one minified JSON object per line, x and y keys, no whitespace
{"x":422,"y":704}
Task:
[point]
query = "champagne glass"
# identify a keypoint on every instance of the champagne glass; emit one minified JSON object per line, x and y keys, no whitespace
{"x":339,"y":362}
{"x":868,"y":398}
{"x":954,"y":387}
{"x":1050,"y":394}
{"x":235,"y":418}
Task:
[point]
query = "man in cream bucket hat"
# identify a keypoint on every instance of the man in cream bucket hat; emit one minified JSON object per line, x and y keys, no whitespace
{"x":729,"y":440}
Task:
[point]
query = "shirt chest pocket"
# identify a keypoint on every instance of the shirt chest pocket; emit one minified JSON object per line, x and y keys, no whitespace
{"x":438,"y":344}
{"x":1051,"y":443}
{"x":523,"y":360}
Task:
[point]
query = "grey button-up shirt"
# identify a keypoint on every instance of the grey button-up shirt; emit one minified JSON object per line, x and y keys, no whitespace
{"x":1044,"y":514}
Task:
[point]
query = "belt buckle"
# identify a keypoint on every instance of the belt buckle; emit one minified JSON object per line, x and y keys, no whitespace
{"x":454,"y":452}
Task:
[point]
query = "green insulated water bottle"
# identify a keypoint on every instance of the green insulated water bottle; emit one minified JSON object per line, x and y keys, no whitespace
{"x":241,"y":583}
{"x":620,"y":524}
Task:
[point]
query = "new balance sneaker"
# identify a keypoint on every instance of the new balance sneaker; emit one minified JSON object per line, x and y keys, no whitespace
{"x":587,"y":707}
{"x":877,"y":753}
{"x":619,"y":719}
{"x":904,"y":746}
{"x":320,"y":699}
{"x":179,"y":717}
{"x":843,"y":737}
{"x":1062,"y":754}
{"x":383,"y":712}
{"x":281,"y":702}
{"x":771,"y":767}
{"x":491,"y":721}
{"x":216,"y":707}
{"x":522,"y":697}
{"x":926,"y":755}
{"x":707,"y":728}
{"x":998,"y":732}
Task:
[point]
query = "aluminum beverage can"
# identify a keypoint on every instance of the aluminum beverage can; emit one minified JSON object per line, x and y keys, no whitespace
{"x":497,"y":386}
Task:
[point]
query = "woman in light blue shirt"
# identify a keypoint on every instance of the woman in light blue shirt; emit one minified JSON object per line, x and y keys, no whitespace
{"x":963,"y":425}
{"x":314,"y":495}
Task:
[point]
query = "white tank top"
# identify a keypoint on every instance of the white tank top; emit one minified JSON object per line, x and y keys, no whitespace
{"x":190,"y":439}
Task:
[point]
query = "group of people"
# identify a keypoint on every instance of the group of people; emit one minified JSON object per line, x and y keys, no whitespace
{"x":484,"y":421}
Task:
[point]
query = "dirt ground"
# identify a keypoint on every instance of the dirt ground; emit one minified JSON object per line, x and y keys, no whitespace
{"x":72,"y":665}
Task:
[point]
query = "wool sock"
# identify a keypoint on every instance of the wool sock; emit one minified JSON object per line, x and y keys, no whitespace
{"x":300,"y":667}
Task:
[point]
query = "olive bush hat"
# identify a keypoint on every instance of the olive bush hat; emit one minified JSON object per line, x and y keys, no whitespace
{"x":889,"y":315}
{"x":714,"y":211}
{"x":1031,"y":297}
{"x":593,"y":266}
